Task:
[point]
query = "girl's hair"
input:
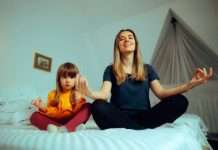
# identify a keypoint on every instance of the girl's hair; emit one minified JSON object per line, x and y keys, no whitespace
{"x":138,"y":73}
{"x":65,"y":70}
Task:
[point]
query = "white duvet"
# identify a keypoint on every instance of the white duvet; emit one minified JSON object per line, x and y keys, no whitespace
{"x":186,"y":133}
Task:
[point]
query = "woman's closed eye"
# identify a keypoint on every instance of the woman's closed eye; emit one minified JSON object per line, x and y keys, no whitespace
{"x":128,"y":38}
{"x":121,"y":39}
{"x":131,"y":37}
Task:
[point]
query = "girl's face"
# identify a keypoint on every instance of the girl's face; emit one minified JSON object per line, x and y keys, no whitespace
{"x":67,"y":83}
{"x":126,"y":42}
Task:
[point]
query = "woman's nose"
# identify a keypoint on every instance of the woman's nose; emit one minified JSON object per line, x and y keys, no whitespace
{"x":126,"y":39}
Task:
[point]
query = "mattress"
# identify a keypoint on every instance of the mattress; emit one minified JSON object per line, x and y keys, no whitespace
{"x":186,"y":133}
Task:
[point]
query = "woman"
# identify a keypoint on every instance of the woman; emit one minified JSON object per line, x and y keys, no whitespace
{"x":128,"y":80}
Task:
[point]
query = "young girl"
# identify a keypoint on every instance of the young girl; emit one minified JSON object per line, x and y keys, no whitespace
{"x":66,"y":108}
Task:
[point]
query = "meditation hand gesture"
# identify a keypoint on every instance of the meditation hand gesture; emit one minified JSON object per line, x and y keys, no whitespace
{"x":200,"y":76}
{"x":82,"y":85}
{"x":38,"y":103}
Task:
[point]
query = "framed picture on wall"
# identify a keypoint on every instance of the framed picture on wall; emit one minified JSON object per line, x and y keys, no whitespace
{"x":42,"y":62}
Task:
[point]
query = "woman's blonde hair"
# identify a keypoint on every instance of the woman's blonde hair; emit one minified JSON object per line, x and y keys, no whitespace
{"x":65,"y":70}
{"x":138,"y":73}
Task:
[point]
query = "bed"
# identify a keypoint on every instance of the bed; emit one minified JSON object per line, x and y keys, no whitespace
{"x":186,"y":133}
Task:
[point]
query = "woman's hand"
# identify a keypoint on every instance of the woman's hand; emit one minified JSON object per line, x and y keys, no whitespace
{"x":81,"y":85}
{"x":200,"y":76}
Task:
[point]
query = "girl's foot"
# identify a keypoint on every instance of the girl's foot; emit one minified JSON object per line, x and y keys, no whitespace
{"x":51,"y":128}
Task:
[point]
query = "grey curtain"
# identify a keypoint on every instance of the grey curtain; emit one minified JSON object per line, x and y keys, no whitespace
{"x":178,"y":54}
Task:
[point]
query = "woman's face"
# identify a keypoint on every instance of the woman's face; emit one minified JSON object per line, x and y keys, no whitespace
{"x":126,"y":42}
{"x":67,"y":83}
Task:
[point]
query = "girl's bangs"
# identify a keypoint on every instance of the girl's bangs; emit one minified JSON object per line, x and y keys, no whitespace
{"x":69,"y":73}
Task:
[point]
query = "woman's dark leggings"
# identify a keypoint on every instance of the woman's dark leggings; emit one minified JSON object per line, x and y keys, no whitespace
{"x":106,"y":115}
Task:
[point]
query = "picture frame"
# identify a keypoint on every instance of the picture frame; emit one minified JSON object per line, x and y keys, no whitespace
{"x":42,"y":62}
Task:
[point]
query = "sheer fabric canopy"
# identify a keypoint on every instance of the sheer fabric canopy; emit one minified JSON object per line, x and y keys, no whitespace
{"x":180,"y":53}
{"x":177,"y":55}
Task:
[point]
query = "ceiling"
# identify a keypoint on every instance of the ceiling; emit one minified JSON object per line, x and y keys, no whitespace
{"x":117,"y":9}
{"x":96,"y":13}
{"x":77,"y":15}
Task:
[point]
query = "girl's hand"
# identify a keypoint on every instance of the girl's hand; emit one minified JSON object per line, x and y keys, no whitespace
{"x":37,"y":102}
{"x":81,"y":85}
{"x":200,"y":76}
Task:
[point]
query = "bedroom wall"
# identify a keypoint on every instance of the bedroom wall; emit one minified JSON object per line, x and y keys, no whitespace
{"x":31,"y":27}
{"x":53,"y":28}
{"x":199,"y":15}
{"x":215,"y":2}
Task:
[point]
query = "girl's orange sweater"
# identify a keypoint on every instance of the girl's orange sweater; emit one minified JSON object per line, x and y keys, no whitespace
{"x":65,"y":107}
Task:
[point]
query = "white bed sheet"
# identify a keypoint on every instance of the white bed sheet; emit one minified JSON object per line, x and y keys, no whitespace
{"x":186,"y":133}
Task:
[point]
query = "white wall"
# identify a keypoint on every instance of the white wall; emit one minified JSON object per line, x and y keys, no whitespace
{"x":197,"y":14}
{"x":215,"y":6}
{"x":32,"y":27}
{"x":201,"y":17}
{"x":56,"y":30}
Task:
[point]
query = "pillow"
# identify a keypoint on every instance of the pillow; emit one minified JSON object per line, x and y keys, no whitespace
{"x":14,"y":105}
{"x":15,"y":117}
{"x":15,"y":111}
